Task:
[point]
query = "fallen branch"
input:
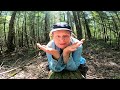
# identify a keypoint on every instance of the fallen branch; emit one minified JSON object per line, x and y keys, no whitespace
{"x":9,"y":70}
{"x":19,"y":66}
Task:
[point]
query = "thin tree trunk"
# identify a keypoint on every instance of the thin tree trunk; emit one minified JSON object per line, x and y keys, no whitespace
{"x":11,"y":34}
{"x":46,"y":26}
{"x":38,"y":32}
{"x":26,"y":35}
{"x":21,"y":42}
{"x":5,"y":33}
{"x":87,"y":26}
{"x":78,"y":25}
{"x":69,"y":21}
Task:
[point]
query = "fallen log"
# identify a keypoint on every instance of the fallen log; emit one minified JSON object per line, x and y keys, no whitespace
{"x":66,"y":75}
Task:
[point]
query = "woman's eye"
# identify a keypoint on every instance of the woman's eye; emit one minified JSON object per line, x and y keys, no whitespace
{"x":58,"y":36}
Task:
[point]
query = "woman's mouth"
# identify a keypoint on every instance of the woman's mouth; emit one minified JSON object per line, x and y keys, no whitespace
{"x":62,"y":44}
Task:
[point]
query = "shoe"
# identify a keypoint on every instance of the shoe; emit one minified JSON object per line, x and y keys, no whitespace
{"x":83,"y":69}
{"x":47,"y":67}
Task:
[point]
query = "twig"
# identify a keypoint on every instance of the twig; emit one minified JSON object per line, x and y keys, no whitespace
{"x":14,"y":74}
{"x":2,"y":63}
{"x":16,"y":61}
{"x":9,"y":70}
{"x":17,"y":67}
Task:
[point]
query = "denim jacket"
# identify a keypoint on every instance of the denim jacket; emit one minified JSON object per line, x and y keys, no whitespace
{"x":75,"y":58}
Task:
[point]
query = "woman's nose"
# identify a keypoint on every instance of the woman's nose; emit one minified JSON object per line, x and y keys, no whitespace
{"x":62,"y":38}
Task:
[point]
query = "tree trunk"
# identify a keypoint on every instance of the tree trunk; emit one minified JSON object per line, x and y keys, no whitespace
{"x":26,"y":35}
{"x":87,"y":27}
{"x":69,"y":20}
{"x":78,"y":25}
{"x":5,"y":33}
{"x":46,"y":33}
{"x":66,"y":75}
{"x":11,"y":34}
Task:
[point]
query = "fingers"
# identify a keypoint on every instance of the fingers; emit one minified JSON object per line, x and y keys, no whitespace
{"x":82,"y":40}
{"x":42,"y":47}
{"x":73,"y":49}
{"x":77,"y":44}
{"x":38,"y":45}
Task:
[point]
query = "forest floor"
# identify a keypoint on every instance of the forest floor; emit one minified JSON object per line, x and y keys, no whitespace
{"x":103,"y":63}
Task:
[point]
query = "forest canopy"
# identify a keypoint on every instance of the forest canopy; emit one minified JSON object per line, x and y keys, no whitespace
{"x":25,"y":28}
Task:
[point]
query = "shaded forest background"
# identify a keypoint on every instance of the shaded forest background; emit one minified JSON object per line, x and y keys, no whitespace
{"x":21,"y":30}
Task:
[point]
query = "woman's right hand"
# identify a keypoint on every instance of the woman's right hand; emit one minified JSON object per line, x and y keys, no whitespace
{"x":49,"y":50}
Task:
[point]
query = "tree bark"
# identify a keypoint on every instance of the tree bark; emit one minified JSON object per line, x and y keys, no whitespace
{"x":78,"y":25}
{"x":87,"y":27}
{"x":11,"y":34}
{"x":46,"y":33}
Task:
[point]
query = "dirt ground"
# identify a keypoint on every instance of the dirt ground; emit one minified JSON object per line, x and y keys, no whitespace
{"x":103,"y":64}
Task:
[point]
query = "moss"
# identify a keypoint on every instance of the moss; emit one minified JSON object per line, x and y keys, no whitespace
{"x":66,"y":75}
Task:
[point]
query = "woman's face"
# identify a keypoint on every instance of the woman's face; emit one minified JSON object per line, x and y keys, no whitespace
{"x":61,"y":38}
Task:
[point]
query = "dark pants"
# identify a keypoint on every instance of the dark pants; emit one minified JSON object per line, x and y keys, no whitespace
{"x":83,"y":69}
{"x":47,"y":67}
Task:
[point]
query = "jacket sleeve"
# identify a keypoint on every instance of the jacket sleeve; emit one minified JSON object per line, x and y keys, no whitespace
{"x":55,"y":65}
{"x":74,"y":59}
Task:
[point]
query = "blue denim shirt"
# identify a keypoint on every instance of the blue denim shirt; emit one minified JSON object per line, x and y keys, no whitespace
{"x":75,"y":58}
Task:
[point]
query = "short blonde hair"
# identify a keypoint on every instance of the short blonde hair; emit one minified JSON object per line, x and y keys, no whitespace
{"x":50,"y":36}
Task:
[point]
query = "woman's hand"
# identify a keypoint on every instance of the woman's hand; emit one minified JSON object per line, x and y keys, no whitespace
{"x":74,"y":46}
{"x":71,"y":48}
{"x":49,"y":50}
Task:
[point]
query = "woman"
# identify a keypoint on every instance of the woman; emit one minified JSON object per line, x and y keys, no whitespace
{"x":64,"y":52}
